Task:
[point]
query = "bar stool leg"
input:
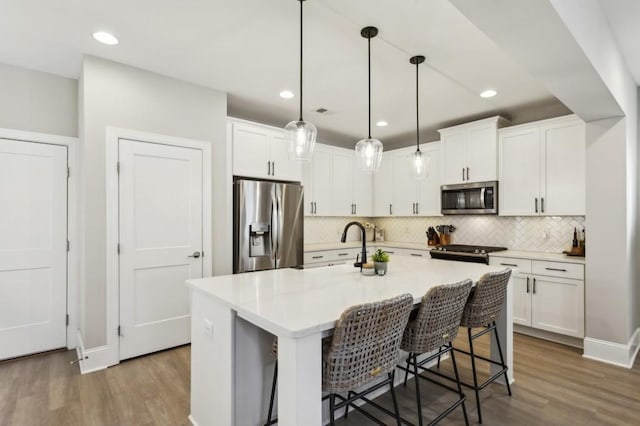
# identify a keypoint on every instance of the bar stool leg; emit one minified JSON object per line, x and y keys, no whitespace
{"x":455,"y":371}
{"x":439,"y":350}
{"x":417,"y":382}
{"x":506,"y":377}
{"x":475,"y":375}
{"x":273,"y":394}
{"x":406,"y":371}
{"x":332,"y":408}
{"x":396,"y":410}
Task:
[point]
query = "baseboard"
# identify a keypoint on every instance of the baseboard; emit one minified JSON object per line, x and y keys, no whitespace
{"x":193,"y":422}
{"x":93,"y":359}
{"x":619,"y":354}
{"x":547,"y":335}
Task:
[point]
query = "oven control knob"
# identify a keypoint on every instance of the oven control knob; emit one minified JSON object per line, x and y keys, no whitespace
{"x":476,"y":251}
{"x":483,"y":252}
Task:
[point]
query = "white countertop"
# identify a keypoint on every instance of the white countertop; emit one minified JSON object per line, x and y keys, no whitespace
{"x":537,"y":255}
{"x":301,"y":302}
{"x":519,"y":254}
{"x":357,"y":244}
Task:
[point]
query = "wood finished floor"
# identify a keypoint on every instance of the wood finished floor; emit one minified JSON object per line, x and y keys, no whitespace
{"x":554,"y":386}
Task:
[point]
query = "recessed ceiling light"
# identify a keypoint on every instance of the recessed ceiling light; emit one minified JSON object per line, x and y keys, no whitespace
{"x":286,"y":94}
{"x":105,"y":38}
{"x":382,"y":123}
{"x":489,"y":93}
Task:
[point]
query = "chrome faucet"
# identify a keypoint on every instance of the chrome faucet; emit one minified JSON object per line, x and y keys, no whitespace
{"x":363,"y":258}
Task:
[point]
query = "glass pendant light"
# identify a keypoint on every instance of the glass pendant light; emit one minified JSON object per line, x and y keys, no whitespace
{"x":302,"y":134}
{"x":418,"y":160}
{"x":369,"y":150}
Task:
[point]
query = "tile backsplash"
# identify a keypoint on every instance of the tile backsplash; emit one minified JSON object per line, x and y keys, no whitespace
{"x":547,"y":234}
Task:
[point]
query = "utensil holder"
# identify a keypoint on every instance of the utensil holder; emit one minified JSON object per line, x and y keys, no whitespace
{"x":445,"y":239}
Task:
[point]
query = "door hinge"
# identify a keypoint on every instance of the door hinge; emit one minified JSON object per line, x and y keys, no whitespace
{"x":118,"y":167}
{"x":67,"y":319}
{"x":68,"y":172}
{"x":68,"y":246}
{"x":118,"y":248}
{"x":119,"y":332}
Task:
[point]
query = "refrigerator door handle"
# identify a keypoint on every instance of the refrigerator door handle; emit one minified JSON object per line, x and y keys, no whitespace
{"x":274,"y":229}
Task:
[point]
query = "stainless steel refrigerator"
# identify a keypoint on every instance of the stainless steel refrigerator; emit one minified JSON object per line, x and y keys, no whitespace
{"x":267,"y":225}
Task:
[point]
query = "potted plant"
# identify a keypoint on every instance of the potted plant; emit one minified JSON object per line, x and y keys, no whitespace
{"x":380,"y":259}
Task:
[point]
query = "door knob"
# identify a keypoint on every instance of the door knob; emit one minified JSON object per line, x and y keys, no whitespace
{"x":195,"y":254}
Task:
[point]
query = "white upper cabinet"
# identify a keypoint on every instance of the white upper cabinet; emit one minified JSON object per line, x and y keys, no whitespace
{"x":342,"y":172}
{"x":383,"y":187}
{"x":318,"y":182}
{"x":261,"y":151}
{"x":542,"y":168}
{"x":469,"y":151}
{"x":429,"y":199}
{"x":362,"y":190}
{"x":404,"y":187}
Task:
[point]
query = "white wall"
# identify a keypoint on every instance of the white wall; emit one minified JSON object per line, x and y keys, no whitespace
{"x":38,"y":102}
{"x":114,"y":94}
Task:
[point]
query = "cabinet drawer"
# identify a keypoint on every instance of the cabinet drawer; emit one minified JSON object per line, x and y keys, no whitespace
{"x":330,"y":255}
{"x":416,"y":253}
{"x":522,"y":265}
{"x":391,"y":250}
{"x":558,"y":269}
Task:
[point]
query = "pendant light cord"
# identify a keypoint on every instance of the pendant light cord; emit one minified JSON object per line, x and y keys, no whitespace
{"x":417,"y":110}
{"x":369,"y":74}
{"x":301,"y":60}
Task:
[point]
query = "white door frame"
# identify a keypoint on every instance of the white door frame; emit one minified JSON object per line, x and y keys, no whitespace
{"x":113,"y":135}
{"x":74,"y":233}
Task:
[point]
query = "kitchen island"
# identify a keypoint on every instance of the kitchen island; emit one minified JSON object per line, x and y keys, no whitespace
{"x":300,"y":307}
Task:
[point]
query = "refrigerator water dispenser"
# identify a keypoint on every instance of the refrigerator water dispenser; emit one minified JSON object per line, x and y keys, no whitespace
{"x":260,"y":236}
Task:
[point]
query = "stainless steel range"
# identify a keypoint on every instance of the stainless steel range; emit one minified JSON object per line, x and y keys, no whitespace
{"x":464,"y":253}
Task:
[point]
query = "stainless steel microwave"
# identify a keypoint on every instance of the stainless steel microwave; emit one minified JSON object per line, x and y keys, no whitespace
{"x":470,"y":198}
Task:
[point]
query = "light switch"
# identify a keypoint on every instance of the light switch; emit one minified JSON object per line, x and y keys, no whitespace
{"x":208,"y":327}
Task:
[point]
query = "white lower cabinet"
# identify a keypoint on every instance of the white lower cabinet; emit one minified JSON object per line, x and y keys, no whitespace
{"x":547,"y":295}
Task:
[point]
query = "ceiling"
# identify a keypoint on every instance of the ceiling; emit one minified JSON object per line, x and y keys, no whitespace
{"x":249,"y":49}
{"x":624,"y":20}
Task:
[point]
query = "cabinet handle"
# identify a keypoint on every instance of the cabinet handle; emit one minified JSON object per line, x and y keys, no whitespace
{"x":467,"y":173}
{"x":390,"y":209}
{"x":511,"y":264}
{"x":343,"y":254}
{"x":417,"y":208}
{"x":534,"y":286}
{"x":311,"y":210}
{"x":355,"y":209}
{"x":413,"y":208}
{"x":390,"y":252}
{"x":273,"y":168}
{"x":317,"y":257}
{"x":542,"y":204}
{"x":315,"y":208}
{"x":536,"y":202}
{"x":527,"y":284}
{"x":416,"y":254}
{"x":556,"y":269}
{"x":269,"y":167}
{"x":463,"y":173}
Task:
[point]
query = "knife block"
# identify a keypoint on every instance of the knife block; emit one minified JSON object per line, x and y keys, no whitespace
{"x":445,"y":239}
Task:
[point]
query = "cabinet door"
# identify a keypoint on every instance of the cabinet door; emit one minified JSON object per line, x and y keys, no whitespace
{"x":282,"y":167}
{"x":342,"y":191}
{"x":251,"y":151}
{"x":307,"y":184}
{"x":383,"y":187}
{"x":322,"y":181}
{"x":522,"y":299}
{"x":557,"y":305}
{"x":404,"y":187}
{"x":429,"y":189}
{"x":564,"y":180}
{"x":520,"y":160}
{"x":362,"y":190}
{"x":482,"y":153}
{"x":454,"y":156}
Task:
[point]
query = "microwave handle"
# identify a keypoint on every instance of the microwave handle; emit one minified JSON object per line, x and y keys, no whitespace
{"x":482,"y":203}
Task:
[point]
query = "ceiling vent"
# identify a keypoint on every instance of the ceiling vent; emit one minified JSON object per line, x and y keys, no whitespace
{"x":322,"y":110}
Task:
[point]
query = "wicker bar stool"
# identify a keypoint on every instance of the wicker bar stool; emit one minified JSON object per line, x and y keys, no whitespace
{"x":365,"y":346}
{"x":434,"y":328}
{"x":481,"y":311}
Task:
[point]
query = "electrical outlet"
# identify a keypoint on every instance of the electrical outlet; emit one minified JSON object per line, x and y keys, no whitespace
{"x":208,"y":327}
{"x":546,"y":234}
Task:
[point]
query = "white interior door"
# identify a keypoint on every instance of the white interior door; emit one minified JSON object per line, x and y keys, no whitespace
{"x":160,"y":215}
{"x":33,"y":247}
